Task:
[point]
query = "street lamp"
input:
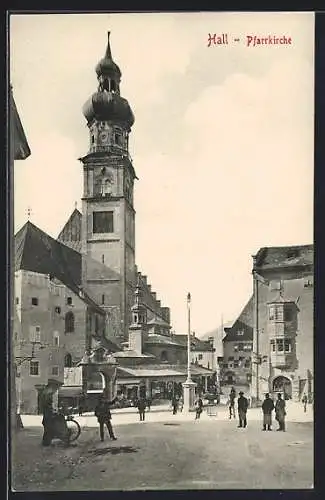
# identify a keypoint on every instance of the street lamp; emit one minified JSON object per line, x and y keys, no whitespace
{"x":188,"y":337}
{"x":189,"y":385}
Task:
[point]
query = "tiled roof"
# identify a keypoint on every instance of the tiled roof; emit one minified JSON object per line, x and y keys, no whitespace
{"x":128,"y":353}
{"x":71,"y":233}
{"x":286,"y":256}
{"x":19,"y":143}
{"x":154,"y":338}
{"x":36,"y":251}
{"x":242,"y":329}
{"x":165,"y":371}
{"x":197,"y":345}
{"x":158,"y":321}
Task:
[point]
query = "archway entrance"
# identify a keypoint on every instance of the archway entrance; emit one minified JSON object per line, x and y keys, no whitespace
{"x":283,"y":384}
{"x":96,"y":383}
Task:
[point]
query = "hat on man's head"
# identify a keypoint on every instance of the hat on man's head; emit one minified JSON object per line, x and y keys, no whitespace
{"x":241,"y":393}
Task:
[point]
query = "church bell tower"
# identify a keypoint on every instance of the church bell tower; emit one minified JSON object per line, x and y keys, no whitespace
{"x":108,"y":215}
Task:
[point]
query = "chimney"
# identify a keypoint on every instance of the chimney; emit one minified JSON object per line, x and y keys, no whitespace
{"x":158,"y":302}
{"x":144,"y":279}
{"x":149,"y":288}
{"x":154,"y":295}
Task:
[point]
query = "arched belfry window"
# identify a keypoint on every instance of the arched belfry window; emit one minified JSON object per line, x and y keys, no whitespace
{"x":164,"y":356}
{"x":68,"y":361}
{"x":69,"y":322}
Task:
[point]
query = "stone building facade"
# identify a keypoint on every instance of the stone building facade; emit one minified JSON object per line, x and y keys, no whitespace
{"x":82,"y":285}
{"x":236,"y":364}
{"x":283,"y":334}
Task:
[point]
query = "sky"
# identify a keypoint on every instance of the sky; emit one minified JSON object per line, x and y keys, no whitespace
{"x":222,"y":142}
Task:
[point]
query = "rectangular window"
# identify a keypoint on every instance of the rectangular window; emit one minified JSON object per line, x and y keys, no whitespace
{"x":240,"y":332}
{"x":236,"y":363}
{"x":225,"y":365}
{"x":200,"y":356}
{"x":35,"y":333}
{"x":55,"y":371}
{"x":247,"y":363}
{"x":278,"y":313}
{"x":56,"y":339}
{"x":287,"y":345}
{"x":235,"y":348}
{"x":58,"y":309}
{"x":231,"y":358}
{"x":69,"y":301}
{"x":103,"y":222}
{"x":288,"y":314}
{"x":240,"y":347}
{"x":272,"y":342}
{"x":34,"y":301}
{"x":279,"y":345}
{"x":34,"y":368}
{"x":17,"y":300}
{"x":271,"y":313}
{"x":103,"y":299}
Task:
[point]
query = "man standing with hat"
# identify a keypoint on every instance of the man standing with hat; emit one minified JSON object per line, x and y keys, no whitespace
{"x":267,"y":408}
{"x":242,"y":410}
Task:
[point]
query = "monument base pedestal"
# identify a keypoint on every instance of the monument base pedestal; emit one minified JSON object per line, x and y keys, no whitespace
{"x":189,"y":395}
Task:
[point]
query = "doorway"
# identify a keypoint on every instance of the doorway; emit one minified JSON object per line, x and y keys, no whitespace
{"x":283,"y":384}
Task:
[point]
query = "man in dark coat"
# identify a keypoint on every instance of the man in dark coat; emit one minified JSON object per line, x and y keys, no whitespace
{"x":142,"y":408}
{"x":198,"y":408}
{"x":48,"y":423}
{"x":304,"y":402}
{"x":280,"y":412}
{"x":242,"y":410}
{"x":174,"y":405}
{"x":103,"y":414}
{"x":232,"y":396}
{"x":267,"y":408}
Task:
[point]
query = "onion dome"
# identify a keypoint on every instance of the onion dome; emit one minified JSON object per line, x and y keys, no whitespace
{"x":108,"y":106}
{"x":106,"y":66}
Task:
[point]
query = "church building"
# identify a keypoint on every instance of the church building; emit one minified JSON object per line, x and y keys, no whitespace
{"x":83,"y":309}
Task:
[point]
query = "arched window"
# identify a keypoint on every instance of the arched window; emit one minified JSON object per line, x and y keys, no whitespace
{"x":164,"y":356}
{"x":106,"y":187}
{"x":69,"y":322}
{"x":68,"y":360}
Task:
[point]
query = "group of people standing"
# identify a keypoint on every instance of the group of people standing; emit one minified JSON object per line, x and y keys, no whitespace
{"x":267,"y":408}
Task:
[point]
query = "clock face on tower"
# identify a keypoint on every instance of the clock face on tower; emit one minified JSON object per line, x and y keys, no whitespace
{"x":103,"y":137}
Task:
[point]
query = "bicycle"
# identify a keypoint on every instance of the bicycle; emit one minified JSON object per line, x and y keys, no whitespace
{"x":65,"y":428}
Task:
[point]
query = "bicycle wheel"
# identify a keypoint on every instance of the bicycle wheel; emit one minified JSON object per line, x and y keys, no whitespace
{"x":74,"y":430}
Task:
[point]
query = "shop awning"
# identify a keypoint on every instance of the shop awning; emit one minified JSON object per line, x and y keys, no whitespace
{"x":128,"y":381}
{"x":70,"y":391}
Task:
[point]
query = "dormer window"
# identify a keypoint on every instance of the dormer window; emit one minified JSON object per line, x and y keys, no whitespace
{"x":240,"y":332}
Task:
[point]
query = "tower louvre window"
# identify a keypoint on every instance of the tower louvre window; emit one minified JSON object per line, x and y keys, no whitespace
{"x":103,"y":222}
{"x":118,"y":138}
{"x":103,"y":298}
